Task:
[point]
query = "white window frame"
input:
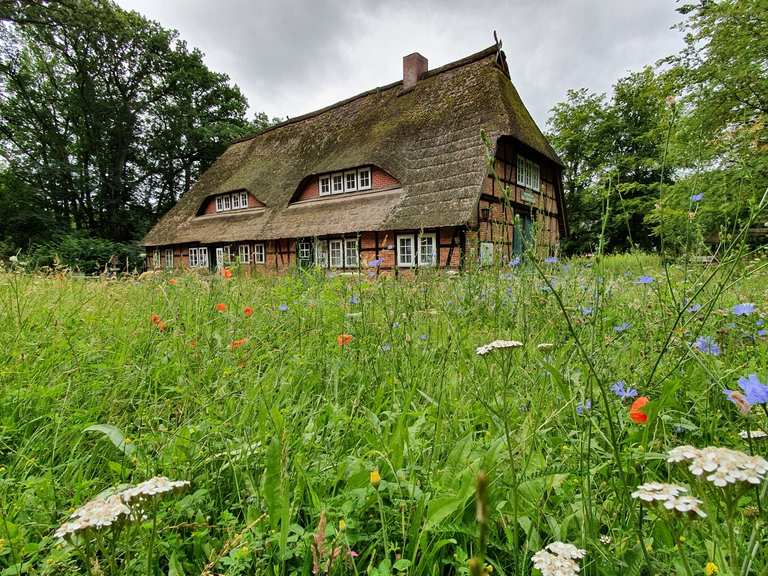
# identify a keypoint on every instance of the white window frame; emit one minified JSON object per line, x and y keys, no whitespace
{"x":168,"y":256}
{"x":243,"y":199}
{"x":432,"y":259}
{"x":219,"y":203}
{"x":347,"y":187}
{"x":235,"y":201}
{"x":304,"y":249}
{"x":259,"y":253}
{"x":156,"y":258}
{"x":321,"y":253}
{"x":528,"y":173}
{"x":244,"y":253}
{"x":368,"y":177}
{"x":327,"y":181}
{"x":411,"y":239}
{"x":226,"y":200}
{"x":340,"y":190}
{"x":351,"y":253}
{"x":336,"y":245}
{"x":198,"y":257}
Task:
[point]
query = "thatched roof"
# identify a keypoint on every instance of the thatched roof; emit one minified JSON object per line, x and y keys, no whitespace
{"x":428,"y":138}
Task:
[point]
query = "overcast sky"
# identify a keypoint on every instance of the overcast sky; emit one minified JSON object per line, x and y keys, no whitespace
{"x":290,"y":57}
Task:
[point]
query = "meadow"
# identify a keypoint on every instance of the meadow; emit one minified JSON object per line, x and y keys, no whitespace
{"x":362,"y":425}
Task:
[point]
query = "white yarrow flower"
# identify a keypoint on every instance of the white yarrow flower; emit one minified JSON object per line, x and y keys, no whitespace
{"x":753,"y":434}
{"x":151,"y":487}
{"x":96,"y":514}
{"x":496,"y":345}
{"x":558,"y":559}
{"x":721,"y":466}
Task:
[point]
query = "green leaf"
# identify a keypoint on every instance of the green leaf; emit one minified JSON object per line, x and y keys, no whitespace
{"x":115,"y":436}
{"x":402,"y":565}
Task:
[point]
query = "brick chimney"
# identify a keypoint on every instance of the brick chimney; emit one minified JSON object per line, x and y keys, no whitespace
{"x":414,"y":67}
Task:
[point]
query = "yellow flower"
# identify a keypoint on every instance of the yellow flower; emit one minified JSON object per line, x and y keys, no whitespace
{"x":711,"y":568}
{"x":375,"y":478}
{"x":342,"y":524}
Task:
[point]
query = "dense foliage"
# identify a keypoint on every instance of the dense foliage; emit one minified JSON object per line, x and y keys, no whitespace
{"x":350,"y":424}
{"x":106,"y":119}
{"x":695,"y":124}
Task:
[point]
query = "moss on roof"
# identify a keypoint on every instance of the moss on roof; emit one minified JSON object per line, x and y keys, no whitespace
{"x":428,"y":138}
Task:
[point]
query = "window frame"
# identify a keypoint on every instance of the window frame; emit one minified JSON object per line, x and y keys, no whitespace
{"x":324,"y":179}
{"x":434,"y":257}
{"x":244,"y":253}
{"x":340,"y":243}
{"x":321,"y":248}
{"x":347,"y":262}
{"x":528,"y":173}
{"x":347,"y":174}
{"x":219,"y":203}
{"x":333,"y":183}
{"x":168,"y":257}
{"x":413,"y":256}
{"x":369,"y":177}
{"x":156,"y":258}
{"x":243,"y":199}
{"x":226,"y":201}
{"x":198,"y":257}
{"x":259,"y":253}
{"x":304,"y":246}
{"x":235,"y":201}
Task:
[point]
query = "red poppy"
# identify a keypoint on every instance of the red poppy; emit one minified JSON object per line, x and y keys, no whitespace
{"x":636,"y":413}
{"x":172,"y":281}
{"x":237,"y":343}
{"x":161,"y":326}
{"x":343,"y":339}
{"x":155,"y":319}
{"x":227,"y":273}
{"x":221,"y":307}
{"x":248,"y":311}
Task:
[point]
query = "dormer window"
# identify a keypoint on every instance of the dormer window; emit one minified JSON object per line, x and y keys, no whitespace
{"x":364,"y":179}
{"x":232,"y":201}
{"x":350,"y":181}
{"x":325,"y":185}
{"x":337,"y":183}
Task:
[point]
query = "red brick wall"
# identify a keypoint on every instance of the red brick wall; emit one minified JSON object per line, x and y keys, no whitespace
{"x":380,"y":180}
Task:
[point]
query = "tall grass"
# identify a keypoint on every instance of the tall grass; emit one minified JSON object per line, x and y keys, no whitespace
{"x":287,"y":428}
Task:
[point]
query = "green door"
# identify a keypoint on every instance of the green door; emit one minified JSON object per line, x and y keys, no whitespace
{"x":523,"y":234}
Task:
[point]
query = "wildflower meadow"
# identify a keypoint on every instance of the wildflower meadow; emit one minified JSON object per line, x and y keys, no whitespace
{"x":601,"y":415}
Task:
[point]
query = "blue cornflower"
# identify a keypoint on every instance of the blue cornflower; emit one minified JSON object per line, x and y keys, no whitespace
{"x":566,"y":268}
{"x":759,"y":323}
{"x":755,"y":392}
{"x":743,"y":309}
{"x":395,"y":325}
{"x":697,"y":197}
{"x":645,"y":280}
{"x":623,"y":393}
{"x":762,"y":332}
{"x":624,"y":326}
{"x":584,"y":407}
{"x":514,"y":262}
{"x":376,"y":263}
{"x":707,"y":345}
{"x":550,"y":260}
{"x":354,"y":300}
{"x":693,"y":308}
{"x":585,"y":310}
{"x":283,"y":307}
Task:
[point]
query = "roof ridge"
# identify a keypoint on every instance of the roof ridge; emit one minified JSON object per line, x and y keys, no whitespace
{"x":434,"y":72}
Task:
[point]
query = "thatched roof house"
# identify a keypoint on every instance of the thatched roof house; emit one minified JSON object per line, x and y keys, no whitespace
{"x":398,"y":174}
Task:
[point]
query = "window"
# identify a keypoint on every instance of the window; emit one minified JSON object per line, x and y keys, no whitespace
{"x":364,"y":179}
{"x":259,"y":254}
{"x":219,"y":203}
{"x":528,"y":173}
{"x":325,"y":185}
{"x":156,"y":259}
{"x":351,"y":258}
{"x":227,"y":202}
{"x":233,"y":201}
{"x":169,"y":257}
{"x":405,"y":251}
{"x":198,"y":257}
{"x":321,"y":253}
{"x":350,"y":181}
{"x":486,"y":253}
{"x":244,"y":253}
{"x":427,"y":250}
{"x":336,"y":253}
{"x":304,"y":250}
{"x":243,"y":199}
{"x":337,"y":181}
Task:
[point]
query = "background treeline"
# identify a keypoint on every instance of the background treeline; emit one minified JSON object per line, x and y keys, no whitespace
{"x":694,"y":123}
{"x":106,"y":118}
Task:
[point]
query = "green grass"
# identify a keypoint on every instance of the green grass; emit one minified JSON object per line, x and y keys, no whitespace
{"x":289,"y":426}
